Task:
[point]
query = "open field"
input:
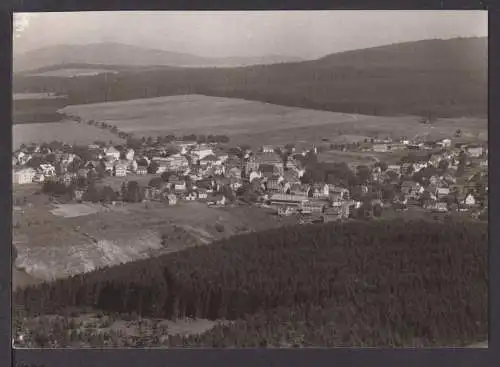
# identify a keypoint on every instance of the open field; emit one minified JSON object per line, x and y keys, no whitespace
{"x":355,"y":158}
{"x":60,"y":240}
{"x":81,"y":209}
{"x":67,"y":131}
{"x":251,"y":122}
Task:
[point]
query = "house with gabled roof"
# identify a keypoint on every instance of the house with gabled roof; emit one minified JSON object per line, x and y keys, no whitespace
{"x":254,"y":175}
{"x":469,"y":199}
{"x":338,"y":193}
{"x":475,"y":151}
{"x":120,"y":170}
{"x":112,"y":152}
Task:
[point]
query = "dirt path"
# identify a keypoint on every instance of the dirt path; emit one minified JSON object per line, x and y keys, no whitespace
{"x":201,"y":234}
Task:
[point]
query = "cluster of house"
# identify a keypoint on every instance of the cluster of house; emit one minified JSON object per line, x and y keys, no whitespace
{"x":437,"y":192}
{"x":206,"y":172}
{"x":388,"y":145}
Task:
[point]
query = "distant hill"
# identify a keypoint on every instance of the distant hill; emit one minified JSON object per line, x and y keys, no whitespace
{"x":126,"y":55}
{"x":444,"y":78}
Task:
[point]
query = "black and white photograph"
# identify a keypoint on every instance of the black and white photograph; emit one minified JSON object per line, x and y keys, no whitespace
{"x":250,"y":179}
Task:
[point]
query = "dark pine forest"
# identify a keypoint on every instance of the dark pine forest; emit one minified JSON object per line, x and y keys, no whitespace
{"x":360,"y":283}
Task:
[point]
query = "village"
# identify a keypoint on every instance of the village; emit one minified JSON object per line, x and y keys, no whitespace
{"x":432,"y":176}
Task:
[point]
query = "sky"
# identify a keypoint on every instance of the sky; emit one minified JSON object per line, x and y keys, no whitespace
{"x":304,"y":34}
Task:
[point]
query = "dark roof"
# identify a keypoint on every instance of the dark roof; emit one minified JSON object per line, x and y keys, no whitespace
{"x":209,"y":157}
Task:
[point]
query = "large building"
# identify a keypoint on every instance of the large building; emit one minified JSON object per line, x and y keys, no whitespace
{"x":202,"y":151}
{"x":120,"y":170}
{"x":289,"y":200}
{"x":23,"y":176}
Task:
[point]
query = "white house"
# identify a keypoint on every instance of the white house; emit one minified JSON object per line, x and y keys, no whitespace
{"x":267,"y":149}
{"x":202,"y":194}
{"x":446,"y":143}
{"x":172,"y":199}
{"x":120,"y":170}
{"x":475,"y":151}
{"x":470,"y":200}
{"x":287,"y":188}
{"x":111,"y":152}
{"x":129,"y":155}
{"x":23,"y":176}
{"x":254,"y":175}
{"x":141,"y":170}
{"x":180,"y":185}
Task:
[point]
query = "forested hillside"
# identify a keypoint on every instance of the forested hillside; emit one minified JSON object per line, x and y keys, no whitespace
{"x":444,"y":78}
{"x":380,"y":283}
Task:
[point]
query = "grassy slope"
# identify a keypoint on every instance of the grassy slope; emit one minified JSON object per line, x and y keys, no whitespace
{"x":253,"y":122}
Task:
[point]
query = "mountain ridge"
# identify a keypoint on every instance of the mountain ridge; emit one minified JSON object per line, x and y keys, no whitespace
{"x":112,"y":53}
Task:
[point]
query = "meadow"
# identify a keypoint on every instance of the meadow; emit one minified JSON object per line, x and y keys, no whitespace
{"x":258,"y":123}
{"x":67,"y":131}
